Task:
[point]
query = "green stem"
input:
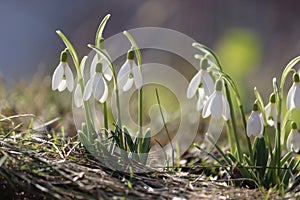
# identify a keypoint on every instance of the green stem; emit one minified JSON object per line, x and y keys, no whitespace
{"x":232,"y":117}
{"x":140,"y":92}
{"x":104,"y":107}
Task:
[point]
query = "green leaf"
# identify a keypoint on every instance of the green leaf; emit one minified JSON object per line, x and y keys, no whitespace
{"x":260,"y":156}
{"x":100,"y":30}
{"x":129,"y":140}
{"x":287,"y":70}
{"x":70,"y":48}
{"x":286,"y":158}
{"x":146,"y":142}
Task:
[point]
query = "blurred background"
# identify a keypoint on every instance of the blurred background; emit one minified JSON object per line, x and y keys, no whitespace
{"x":254,"y":39}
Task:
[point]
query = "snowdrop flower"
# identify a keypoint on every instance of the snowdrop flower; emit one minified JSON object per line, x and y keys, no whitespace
{"x":255,"y":123}
{"x":271,"y":111}
{"x":107,"y":73}
{"x":96,"y":85}
{"x":293,"y":97}
{"x":217,"y":105}
{"x":129,"y":74}
{"x":201,"y":98}
{"x":293,"y":140}
{"x":202,"y":78}
{"x":63,"y":77}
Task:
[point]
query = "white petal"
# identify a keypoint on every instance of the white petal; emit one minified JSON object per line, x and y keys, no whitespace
{"x":208,"y":83}
{"x":123,"y":74}
{"x":62,"y":85}
{"x":98,"y":87}
{"x":107,"y":71}
{"x":289,"y":100}
{"x":201,"y":99}
{"x":78,"y":96}
{"x":82,"y":65}
{"x":289,"y":141}
{"x":296,"y":141}
{"x":207,"y":106}
{"x":88,"y":89}
{"x":93,"y":65}
{"x":128,"y":84}
{"x":57,"y":76}
{"x":297,"y":96}
{"x":217,"y":106}
{"x":254,"y":124}
{"x":105,"y":93}
{"x":261,"y":132}
{"x":137,"y":76}
{"x":69,"y":78}
{"x":226,"y":109}
{"x":194,"y":84}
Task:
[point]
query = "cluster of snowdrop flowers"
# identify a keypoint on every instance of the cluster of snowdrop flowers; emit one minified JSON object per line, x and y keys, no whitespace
{"x":63,"y":77}
{"x":211,"y":99}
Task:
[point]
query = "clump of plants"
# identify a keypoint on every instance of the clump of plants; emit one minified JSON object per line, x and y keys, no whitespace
{"x":263,"y":163}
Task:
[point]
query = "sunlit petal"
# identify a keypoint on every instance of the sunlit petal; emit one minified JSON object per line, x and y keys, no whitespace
{"x":137,"y":75}
{"x":93,"y":65}
{"x":254,"y":124}
{"x":207,"y":106}
{"x":201,"y":99}
{"x":296,"y":98}
{"x":98,"y":86}
{"x":226,"y":109}
{"x":62,"y":85}
{"x":88,"y":89}
{"x":123,"y":73}
{"x":82,"y":65}
{"x":289,"y":141}
{"x":69,"y":78}
{"x":105,"y":92}
{"x":128,"y":84}
{"x":194,"y":84}
{"x":107,"y":71}
{"x":217,"y":106}
{"x":290,"y":98}
{"x":57,"y":76}
{"x":78,"y":97}
{"x":208,"y":83}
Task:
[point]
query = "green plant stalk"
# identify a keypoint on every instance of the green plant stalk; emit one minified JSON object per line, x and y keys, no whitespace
{"x":75,"y":59}
{"x":232,"y":117}
{"x":140,"y":92}
{"x":98,"y":45}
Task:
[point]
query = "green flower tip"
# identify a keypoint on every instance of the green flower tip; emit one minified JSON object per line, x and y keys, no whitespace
{"x":102,"y":44}
{"x":219,"y":85}
{"x":130,"y":55}
{"x":255,"y":107}
{"x":272,"y":98}
{"x":294,"y":125}
{"x":204,"y":63}
{"x":296,"y":78}
{"x":64,"y":56}
{"x":99,"y":67}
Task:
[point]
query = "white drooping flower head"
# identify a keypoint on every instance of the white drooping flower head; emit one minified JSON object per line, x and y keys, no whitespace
{"x":255,"y":124}
{"x":97,"y":86}
{"x":293,"y":140}
{"x":106,"y":71}
{"x":271,"y":111}
{"x":203,"y":79}
{"x":217,"y":105}
{"x":129,"y":73}
{"x":293,"y":97}
{"x":63,"y":77}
